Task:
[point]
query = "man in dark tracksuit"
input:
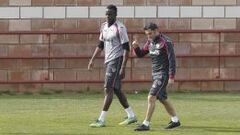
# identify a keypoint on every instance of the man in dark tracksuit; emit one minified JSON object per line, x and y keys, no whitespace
{"x":160,"y":49}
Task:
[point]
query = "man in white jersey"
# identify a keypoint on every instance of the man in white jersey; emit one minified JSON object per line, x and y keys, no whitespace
{"x":114,"y":41}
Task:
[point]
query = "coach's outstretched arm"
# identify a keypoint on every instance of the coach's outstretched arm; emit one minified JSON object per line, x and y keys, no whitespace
{"x":97,"y":52}
{"x":138,"y":51}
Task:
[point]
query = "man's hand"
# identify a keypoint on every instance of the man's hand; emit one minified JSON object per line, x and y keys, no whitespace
{"x":135,"y":42}
{"x":122,"y":73}
{"x":90,"y":65}
{"x":171,"y":81}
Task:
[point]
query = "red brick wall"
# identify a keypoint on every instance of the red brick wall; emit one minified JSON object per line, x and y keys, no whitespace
{"x":78,"y":45}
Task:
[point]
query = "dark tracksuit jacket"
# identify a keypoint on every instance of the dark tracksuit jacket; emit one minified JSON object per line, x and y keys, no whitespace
{"x":162,"y":54}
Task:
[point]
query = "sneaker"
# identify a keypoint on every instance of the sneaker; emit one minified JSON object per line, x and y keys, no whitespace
{"x":128,"y":121}
{"x":98,"y":124}
{"x":142,"y":127}
{"x":173,"y":125}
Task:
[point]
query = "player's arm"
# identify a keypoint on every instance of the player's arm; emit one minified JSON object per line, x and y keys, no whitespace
{"x":172,"y":61}
{"x":138,"y":51}
{"x":126,"y":50}
{"x":96,"y":53}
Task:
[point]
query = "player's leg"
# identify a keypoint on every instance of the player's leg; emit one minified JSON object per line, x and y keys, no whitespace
{"x":118,"y":85}
{"x":150,"y":109}
{"x":169,"y":108}
{"x":108,"y":98}
{"x":108,"y":88}
{"x":152,"y":97}
{"x":122,"y":97}
{"x":171,"y":111}
{"x":131,"y":117}
{"x":106,"y":104}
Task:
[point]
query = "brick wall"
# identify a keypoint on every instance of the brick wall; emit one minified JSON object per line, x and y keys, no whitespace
{"x":87,"y":15}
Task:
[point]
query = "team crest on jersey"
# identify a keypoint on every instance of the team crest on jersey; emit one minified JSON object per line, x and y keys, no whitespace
{"x":155,"y":52}
{"x":159,"y":46}
{"x":155,"y":48}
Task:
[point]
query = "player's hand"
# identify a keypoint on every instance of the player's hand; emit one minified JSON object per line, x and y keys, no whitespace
{"x":171,"y":81}
{"x":122,"y":73}
{"x":135,"y":42}
{"x":90,"y":65}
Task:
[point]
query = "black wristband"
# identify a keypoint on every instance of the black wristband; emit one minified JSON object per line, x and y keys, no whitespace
{"x":126,"y":46}
{"x":101,"y":45}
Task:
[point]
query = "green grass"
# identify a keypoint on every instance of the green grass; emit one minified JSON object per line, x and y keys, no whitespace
{"x":70,"y":114}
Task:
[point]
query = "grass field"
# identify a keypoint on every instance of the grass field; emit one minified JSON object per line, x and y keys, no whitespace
{"x":70,"y":114}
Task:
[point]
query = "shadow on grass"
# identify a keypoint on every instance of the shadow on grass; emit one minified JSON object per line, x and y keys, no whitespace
{"x":214,"y":129}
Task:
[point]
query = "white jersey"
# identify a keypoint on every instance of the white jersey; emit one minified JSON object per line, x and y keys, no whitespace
{"x":113,"y":38}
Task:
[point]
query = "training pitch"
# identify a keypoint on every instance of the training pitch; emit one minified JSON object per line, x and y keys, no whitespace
{"x":71,"y":114}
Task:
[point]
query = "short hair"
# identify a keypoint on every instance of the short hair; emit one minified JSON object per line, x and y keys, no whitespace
{"x":112,"y":7}
{"x":150,"y":26}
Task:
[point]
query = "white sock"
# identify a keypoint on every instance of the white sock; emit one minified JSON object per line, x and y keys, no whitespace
{"x":146,"y":123}
{"x":130,"y":112}
{"x":102,"y":116}
{"x":174,"y":119}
